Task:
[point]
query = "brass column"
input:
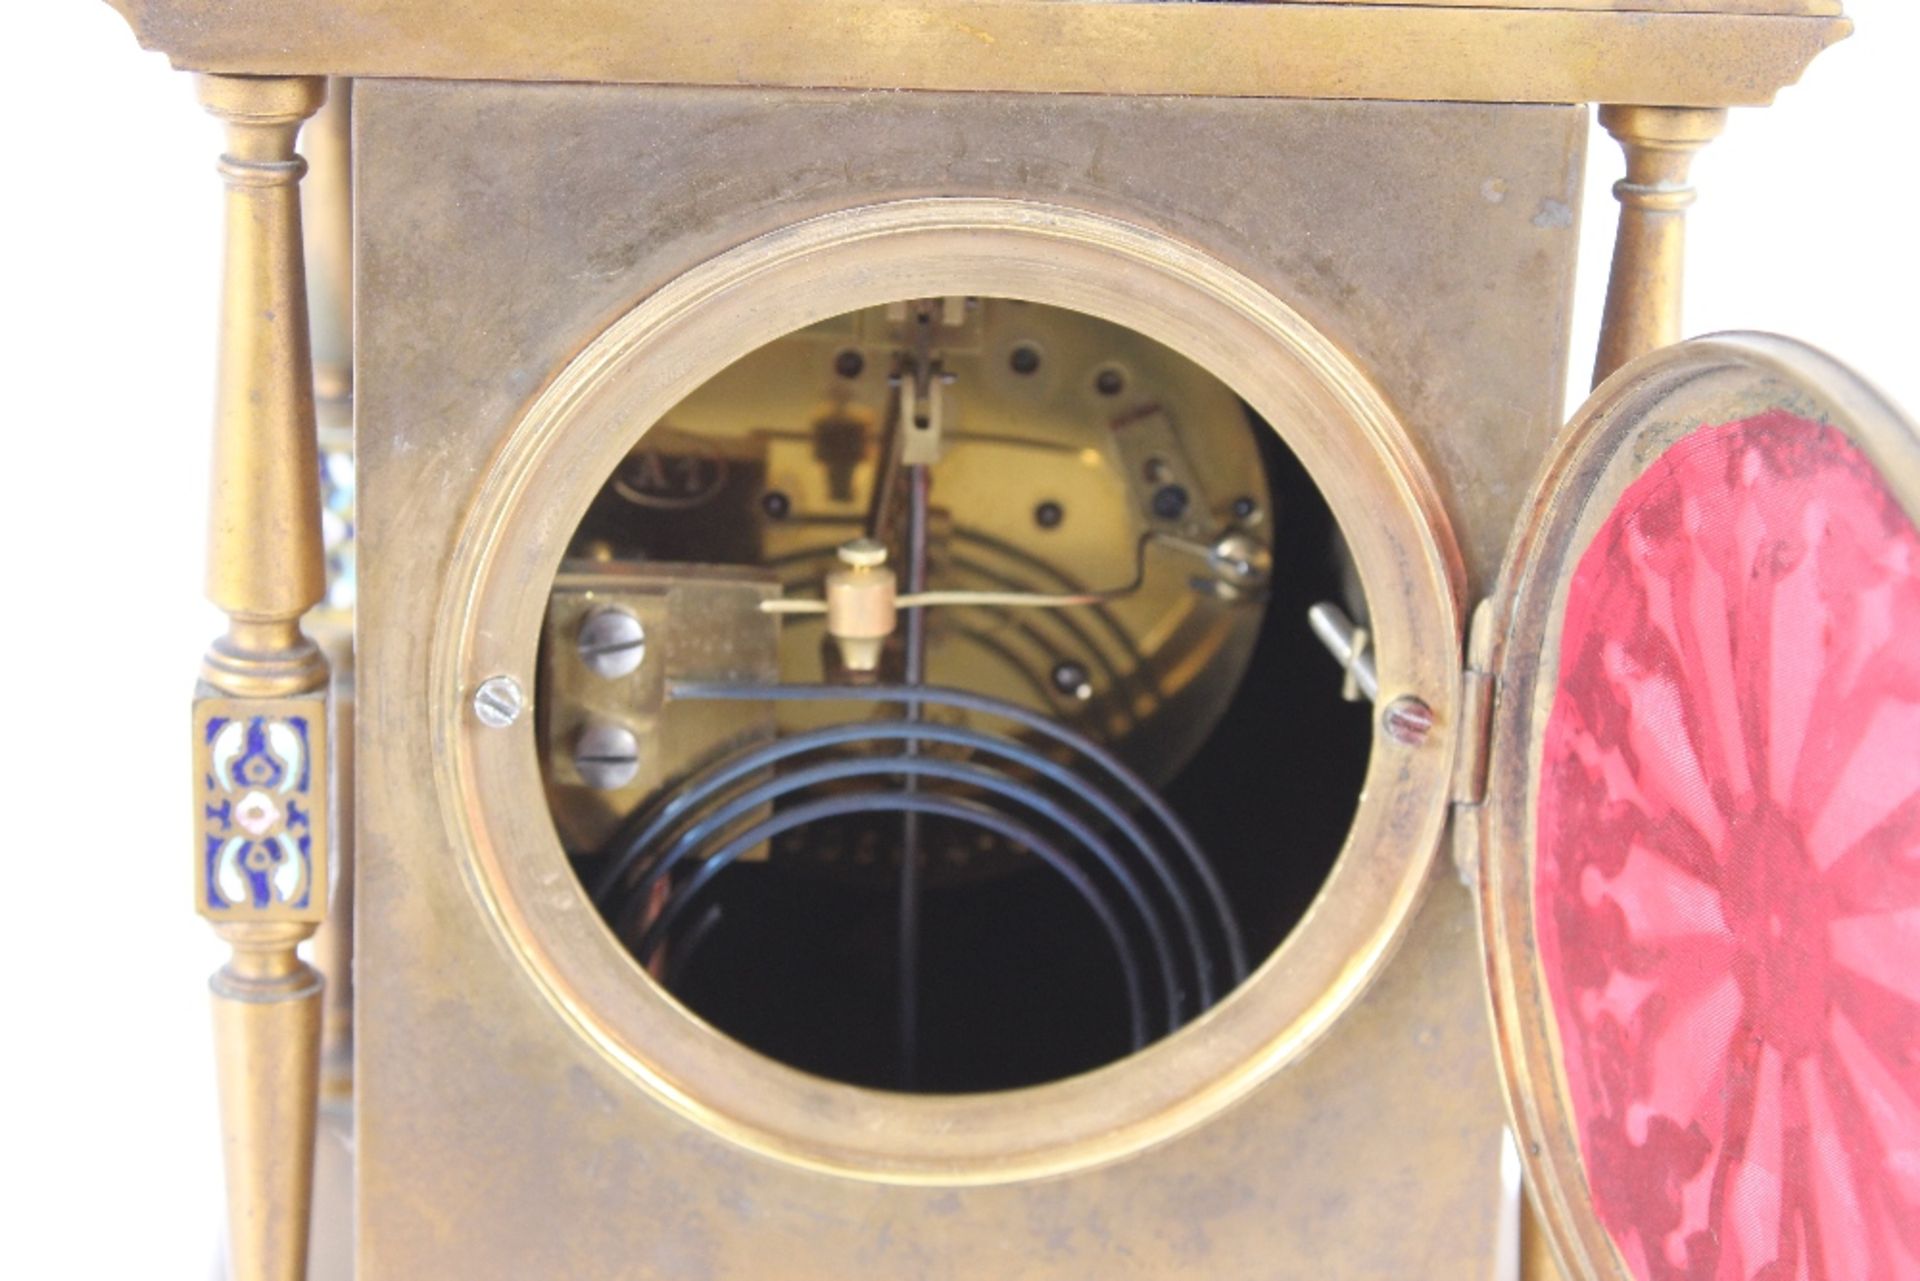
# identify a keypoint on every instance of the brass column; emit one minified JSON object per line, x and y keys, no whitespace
{"x":1649,"y":251}
{"x":260,"y":739}
{"x":326,"y":205}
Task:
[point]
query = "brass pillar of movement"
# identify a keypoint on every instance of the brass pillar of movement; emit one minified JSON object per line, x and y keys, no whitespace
{"x":264,"y":571}
{"x":326,"y":205}
{"x":1649,"y":251}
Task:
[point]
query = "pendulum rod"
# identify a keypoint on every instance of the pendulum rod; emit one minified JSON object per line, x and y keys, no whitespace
{"x":922,"y":368}
{"x":919,"y":485}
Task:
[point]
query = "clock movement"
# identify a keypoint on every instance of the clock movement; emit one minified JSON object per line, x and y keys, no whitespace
{"x":961,"y":638}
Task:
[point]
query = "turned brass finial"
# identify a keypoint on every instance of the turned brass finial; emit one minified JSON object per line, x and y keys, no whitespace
{"x":1649,"y":252}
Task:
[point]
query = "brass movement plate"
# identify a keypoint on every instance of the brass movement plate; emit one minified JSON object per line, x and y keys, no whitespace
{"x":1162,"y":661}
{"x":698,"y":622}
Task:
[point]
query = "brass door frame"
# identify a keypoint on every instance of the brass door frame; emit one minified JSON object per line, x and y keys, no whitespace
{"x":583,"y":424}
{"x":1450,"y":293}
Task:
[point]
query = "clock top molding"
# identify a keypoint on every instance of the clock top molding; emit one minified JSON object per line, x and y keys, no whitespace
{"x":1690,"y":53}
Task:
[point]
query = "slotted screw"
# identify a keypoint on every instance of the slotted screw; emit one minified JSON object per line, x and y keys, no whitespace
{"x":606,"y":755}
{"x":1407,"y":720}
{"x":498,"y":702}
{"x":612,"y":643}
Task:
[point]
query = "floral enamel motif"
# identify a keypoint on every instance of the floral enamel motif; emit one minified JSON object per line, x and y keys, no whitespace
{"x":261,"y":823}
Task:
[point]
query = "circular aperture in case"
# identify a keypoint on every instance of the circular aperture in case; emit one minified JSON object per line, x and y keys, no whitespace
{"x":1096,"y":767}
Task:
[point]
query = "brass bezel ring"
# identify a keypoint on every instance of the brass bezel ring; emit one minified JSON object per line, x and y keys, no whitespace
{"x":526,"y":505}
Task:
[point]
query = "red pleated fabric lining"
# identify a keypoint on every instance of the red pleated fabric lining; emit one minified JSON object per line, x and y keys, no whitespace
{"x":1727,"y":892}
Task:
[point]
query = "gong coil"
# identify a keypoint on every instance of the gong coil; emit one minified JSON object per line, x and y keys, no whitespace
{"x":973,"y":843}
{"x":1176,"y":942}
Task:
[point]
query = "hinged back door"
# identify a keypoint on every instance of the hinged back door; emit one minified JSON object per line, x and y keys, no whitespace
{"x":1700,"y":865}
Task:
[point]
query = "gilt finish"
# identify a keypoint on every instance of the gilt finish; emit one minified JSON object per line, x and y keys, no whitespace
{"x":507,"y":1125}
{"x":1704,"y":53}
{"x":1452,"y":269}
{"x":1649,"y":251}
{"x":260,"y":718}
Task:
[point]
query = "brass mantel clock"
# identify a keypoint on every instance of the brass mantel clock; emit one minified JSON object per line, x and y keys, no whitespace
{"x":958,"y":638}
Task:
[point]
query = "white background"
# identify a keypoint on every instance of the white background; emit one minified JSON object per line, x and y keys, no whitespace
{"x":1806,"y":225}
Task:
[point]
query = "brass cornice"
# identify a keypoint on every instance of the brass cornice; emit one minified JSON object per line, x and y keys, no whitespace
{"x":1684,"y":53}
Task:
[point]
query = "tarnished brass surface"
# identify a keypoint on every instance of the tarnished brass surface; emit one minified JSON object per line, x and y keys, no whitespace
{"x":1628,"y":423}
{"x":326,"y":211}
{"x":548,"y":466}
{"x":264,"y":571}
{"x":571,"y":215}
{"x":1649,"y":253}
{"x":266,"y":1038}
{"x":1162,"y":660}
{"x":1698,"y":53}
{"x":510,"y":1123}
{"x":263,"y":559}
{"x":701,"y":623}
{"x":1537,"y":1261}
{"x":1461,"y":330}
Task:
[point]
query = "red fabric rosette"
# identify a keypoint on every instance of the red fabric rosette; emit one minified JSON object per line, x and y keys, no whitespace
{"x":1727,"y":892}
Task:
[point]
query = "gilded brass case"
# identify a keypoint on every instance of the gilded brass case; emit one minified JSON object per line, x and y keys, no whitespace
{"x":529,"y":1104}
{"x":1705,"y":53}
{"x":568,"y":216}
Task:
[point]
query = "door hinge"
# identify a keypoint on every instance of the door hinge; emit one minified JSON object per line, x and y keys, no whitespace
{"x":1473,"y":748}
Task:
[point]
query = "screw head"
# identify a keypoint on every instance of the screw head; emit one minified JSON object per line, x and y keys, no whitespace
{"x":1049,"y":514}
{"x":607,"y":755}
{"x":1407,"y":721}
{"x":776,"y":504}
{"x":1170,"y":502}
{"x":498,"y":702}
{"x":1024,"y":359}
{"x":1245,"y":507}
{"x":1110,"y":382}
{"x":849,"y":363}
{"x":612,"y":643}
{"x":1071,"y":679}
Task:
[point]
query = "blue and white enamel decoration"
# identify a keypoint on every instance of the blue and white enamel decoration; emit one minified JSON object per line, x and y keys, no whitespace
{"x":261,"y":808}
